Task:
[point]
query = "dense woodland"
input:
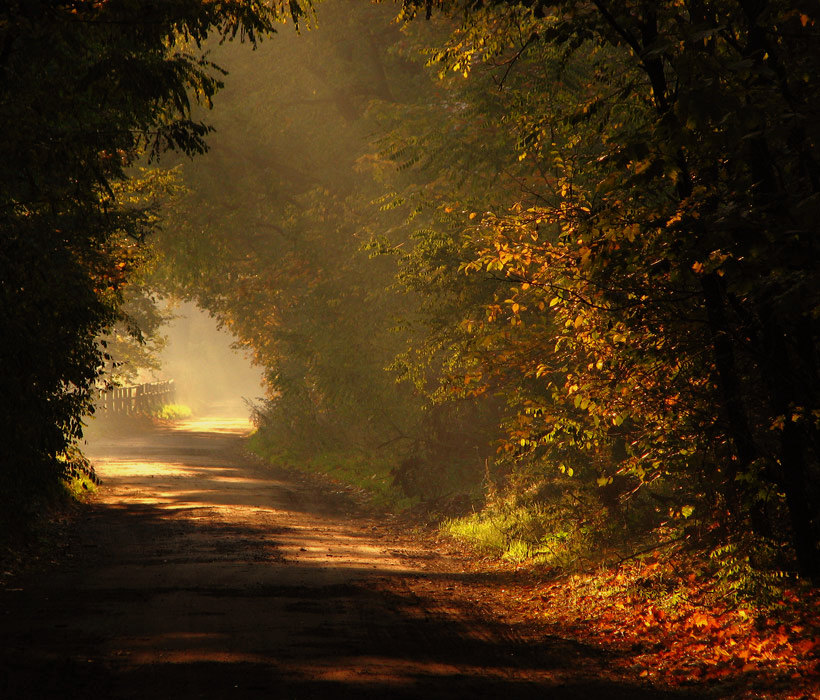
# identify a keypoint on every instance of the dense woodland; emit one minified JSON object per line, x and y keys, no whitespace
{"x":550,"y":266}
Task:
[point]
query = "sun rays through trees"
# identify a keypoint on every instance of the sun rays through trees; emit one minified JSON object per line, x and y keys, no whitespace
{"x":551,"y":264}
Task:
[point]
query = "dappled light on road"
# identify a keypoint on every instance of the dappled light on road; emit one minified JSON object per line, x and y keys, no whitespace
{"x":243,"y":494}
{"x":200,"y":572}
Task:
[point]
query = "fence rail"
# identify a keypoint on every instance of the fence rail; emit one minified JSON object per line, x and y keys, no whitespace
{"x":139,"y":398}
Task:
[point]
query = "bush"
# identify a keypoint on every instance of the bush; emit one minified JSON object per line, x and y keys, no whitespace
{"x":172,"y":411}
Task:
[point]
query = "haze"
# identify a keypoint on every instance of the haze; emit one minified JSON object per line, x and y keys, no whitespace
{"x":211,"y":377}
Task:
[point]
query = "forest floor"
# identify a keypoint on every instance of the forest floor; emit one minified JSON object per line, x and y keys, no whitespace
{"x":197,"y":571}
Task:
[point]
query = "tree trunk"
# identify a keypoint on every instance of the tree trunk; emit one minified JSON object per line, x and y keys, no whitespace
{"x":784,"y":383}
{"x":727,"y":375}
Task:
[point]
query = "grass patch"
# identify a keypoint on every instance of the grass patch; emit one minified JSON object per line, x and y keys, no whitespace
{"x":515,"y":535}
{"x":172,"y":412}
{"x":370,"y":474}
{"x":479,"y":531}
{"x":522,"y":524}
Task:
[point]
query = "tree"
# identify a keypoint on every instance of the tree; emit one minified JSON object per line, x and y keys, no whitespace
{"x":90,"y":89}
{"x":691,"y":228}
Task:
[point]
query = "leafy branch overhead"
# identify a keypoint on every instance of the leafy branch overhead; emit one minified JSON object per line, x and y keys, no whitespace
{"x":91,"y":88}
{"x":546,"y":269}
{"x":667,"y":233}
{"x":581,"y":236}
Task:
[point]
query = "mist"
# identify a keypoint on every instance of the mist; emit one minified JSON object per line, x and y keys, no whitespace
{"x":213,"y":378}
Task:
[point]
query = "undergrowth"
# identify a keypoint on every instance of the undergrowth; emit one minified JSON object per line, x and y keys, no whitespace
{"x":742,"y":571}
{"x":718,"y":617}
{"x":172,"y":412}
{"x":718,"y":612}
{"x":539,"y":523}
{"x":371,"y":474}
{"x":80,"y":488}
{"x":669,"y":615}
{"x":32,"y":519}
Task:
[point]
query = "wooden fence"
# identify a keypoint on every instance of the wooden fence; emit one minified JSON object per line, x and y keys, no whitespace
{"x":140,"y":398}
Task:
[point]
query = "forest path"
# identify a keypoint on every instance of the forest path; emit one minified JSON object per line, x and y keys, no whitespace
{"x":197,"y":572}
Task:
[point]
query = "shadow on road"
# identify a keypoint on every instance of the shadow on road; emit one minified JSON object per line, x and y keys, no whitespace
{"x":196,"y":575}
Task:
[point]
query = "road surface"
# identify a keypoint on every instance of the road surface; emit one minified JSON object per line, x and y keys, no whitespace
{"x":197,"y":572}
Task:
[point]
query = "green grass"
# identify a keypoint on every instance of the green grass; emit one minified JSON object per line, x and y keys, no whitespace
{"x":516,"y":534}
{"x":368,"y":473}
{"x":172,"y":411}
{"x":478,"y":531}
{"x":488,"y":533}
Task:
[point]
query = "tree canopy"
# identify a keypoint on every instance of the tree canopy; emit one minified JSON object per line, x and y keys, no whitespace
{"x":673,"y":238}
{"x":89,"y":89}
{"x":560,"y":256}
{"x":601,"y":216}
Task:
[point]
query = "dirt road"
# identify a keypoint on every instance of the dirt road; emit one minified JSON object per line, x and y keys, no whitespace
{"x":199,"y":573}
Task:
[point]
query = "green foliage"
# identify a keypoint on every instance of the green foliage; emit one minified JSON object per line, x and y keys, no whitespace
{"x":748,"y":568}
{"x":655,"y":330}
{"x":90,"y":89}
{"x":370,"y":474}
{"x":82,"y":483}
{"x":582,"y":238}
